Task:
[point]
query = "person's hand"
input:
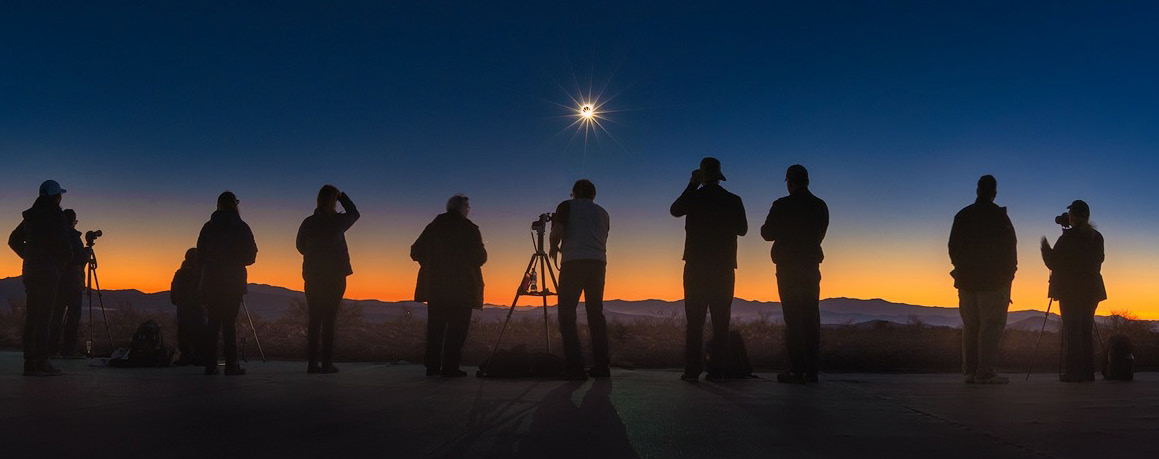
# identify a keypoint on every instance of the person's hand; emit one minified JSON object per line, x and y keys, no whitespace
{"x":697,"y":177}
{"x":1045,"y":244}
{"x":554,"y":254}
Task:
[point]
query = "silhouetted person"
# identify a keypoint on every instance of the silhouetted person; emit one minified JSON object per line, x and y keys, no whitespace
{"x":796,"y":225}
{"x":41,"y":239}
{"x":984,"y":252}
{"x":224,"y":248}
{"x":715,"y":218}
{"x":191,"y":322}
{"x":1076,"y":282}
{"x":450,"y":253}
{"x":325,"y":265}
{"x":66,"y":315}
{"x":579,"y":230}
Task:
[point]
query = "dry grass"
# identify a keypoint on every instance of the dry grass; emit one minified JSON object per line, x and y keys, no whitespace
{"x":653,"y":342}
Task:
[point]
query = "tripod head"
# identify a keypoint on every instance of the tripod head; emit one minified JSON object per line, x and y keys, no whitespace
{"x":539,"y":226}
{"x":91,"y":237}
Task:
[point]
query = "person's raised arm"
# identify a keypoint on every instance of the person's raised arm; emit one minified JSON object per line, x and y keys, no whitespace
{"x":680,"y":207}
{"x":351,"y":214}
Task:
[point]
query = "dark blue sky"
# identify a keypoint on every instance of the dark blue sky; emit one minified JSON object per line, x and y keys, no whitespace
{"x":895,"y":107}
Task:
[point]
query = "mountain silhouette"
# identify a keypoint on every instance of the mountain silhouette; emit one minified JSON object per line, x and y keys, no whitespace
{"x":271,"y":302}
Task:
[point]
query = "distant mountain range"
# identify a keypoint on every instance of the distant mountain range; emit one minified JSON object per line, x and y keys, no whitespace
{"x":270,"y":303}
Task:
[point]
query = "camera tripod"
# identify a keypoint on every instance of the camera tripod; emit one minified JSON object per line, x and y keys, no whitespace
{"x":91,"y":281}
{"x":527,"y":286}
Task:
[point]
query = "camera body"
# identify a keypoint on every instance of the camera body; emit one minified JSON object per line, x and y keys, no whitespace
{"x":541,"y":223}
{"x":91,"y":237}
{"x":1063,"y":220}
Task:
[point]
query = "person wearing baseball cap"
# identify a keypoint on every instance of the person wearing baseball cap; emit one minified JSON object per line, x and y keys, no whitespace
{"x":1076,"y":281}
{"x":796,"y":225}
{"x":42,"y":241}
{"x":715,"y":218}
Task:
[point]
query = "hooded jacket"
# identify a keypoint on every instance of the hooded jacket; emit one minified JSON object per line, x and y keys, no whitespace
{"x":983,"y":247}
{"x":224,"y":248}
{"x":322,"y":241}
{"x":42,"y":239}
{"x":1075,"y":264}
{"x":450,"y":253}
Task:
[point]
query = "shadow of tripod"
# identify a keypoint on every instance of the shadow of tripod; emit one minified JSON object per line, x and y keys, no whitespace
{"x":528,"y":287}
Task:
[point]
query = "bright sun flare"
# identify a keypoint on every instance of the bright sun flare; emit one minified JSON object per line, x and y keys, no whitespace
{"x":587,"y":111}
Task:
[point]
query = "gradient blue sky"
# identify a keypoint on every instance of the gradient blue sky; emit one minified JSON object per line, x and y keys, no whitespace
{"x":145,"y":113}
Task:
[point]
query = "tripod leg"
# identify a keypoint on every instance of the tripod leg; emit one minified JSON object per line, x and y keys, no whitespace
{"x":104,"y":313}
{"x":89,"y":284}
{"x":1039,"y":340}
{"x":254,"y":330}
{"x":518,"y":293}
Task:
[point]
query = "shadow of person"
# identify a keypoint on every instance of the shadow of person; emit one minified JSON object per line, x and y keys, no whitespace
{"x":561,"y":429}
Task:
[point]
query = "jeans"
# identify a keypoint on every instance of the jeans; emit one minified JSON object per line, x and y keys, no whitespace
{"x":586,"y":276}
{"x":323,"y":298}
{"x":1078,"y":320}
{"x":65,"y":322}
{"x":447,"y":327}
{"x":222,"y":319}
{"x":983,"y":321}
{"x":800,"y":289}
{"x":40,"y":289}
{"x":707,"y":289}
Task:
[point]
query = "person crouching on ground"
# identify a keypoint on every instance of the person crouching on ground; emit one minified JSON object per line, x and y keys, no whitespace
{"x":579,"y":230}
{"x":325,"y":265}
{"x":984,"y":252}
{"x":450,"y":254}
{"x":190,"y":311}
{"x":1076,"y":282}
{"x":224,"y":248}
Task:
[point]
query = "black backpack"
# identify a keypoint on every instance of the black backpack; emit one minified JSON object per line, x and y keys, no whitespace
{"x":1120,"y":365}
{"x":736,"y":365}
{"x":147,"y":349}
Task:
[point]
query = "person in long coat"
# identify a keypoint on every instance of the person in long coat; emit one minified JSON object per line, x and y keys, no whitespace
{"x":450,"y":254}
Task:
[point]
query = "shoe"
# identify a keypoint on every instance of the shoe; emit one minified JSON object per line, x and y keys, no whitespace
{"x":234,"y":370}
{"x":574,"y":375}
{"x":689,"y":377}
{"x":992,"y":380}
{"x":41,"y":369}
{"x":968,"y":379}
{"x":212,"y":370}
{"x":713,"y":377}
{"x":600,"y":372}
{"x":331,"y":369}
{"x":791,"y":378}
{"x":456,"y":373}
{"x":812,"y":378}
{"x":313,"y":369}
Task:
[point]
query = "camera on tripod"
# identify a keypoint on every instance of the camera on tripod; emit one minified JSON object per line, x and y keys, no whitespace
{"x":1063,"y":220}
{"x":91,"y":237}
{"x":541,"y":223}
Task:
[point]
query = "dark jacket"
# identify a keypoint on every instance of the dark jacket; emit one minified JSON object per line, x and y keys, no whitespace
{"x":450,"y":253}
{"x":72,"y":279}
{"x":1075,"y":265}
{"x":796,"y":225}
{"x":983,"y":247}
{"x":715,"y":219}
{"x":42,"y":238}
{"x":183,"y":291}
{"x":322,"y":241}
{"x":224,"y":248}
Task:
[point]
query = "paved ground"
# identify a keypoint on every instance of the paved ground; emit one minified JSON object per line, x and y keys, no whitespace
{"x":394,"y":411}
